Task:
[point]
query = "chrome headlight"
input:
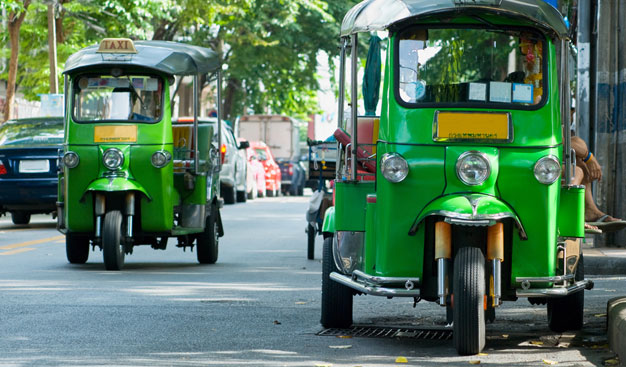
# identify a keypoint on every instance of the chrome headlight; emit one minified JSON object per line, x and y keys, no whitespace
{"x":394,"y":167}
{"x":70,"y":159}
{"x":547,"y":170}
{"x":113,"y":158}
{"x":161,"y":158}
{"x":473,"y":168}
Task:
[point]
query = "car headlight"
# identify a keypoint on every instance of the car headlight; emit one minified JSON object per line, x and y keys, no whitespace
{"x":161,"y":158}
{"x":394,"y":167}
{"x":70,"y":159}
{"x":547,"y":169}
{"x":473,"y":168}
{"x":113,"y":158}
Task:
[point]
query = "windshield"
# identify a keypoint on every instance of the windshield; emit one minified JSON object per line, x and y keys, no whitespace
{"x":31,"y":132}
{"x":137,"y":98}
{"x":261,"y":154}
{"x":465,"y":65}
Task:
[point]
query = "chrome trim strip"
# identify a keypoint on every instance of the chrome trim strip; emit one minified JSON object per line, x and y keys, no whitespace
{"x":554,"y":279}
{"x":554,"y":292}
{"x":373,"y":290}
{"x":376,"y":280}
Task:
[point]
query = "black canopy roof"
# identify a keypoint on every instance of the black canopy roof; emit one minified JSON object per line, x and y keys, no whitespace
{"x":171,"y":58}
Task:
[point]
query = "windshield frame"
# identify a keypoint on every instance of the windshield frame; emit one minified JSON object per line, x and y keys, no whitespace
{"x":473,"y":104}
{"x":75,"y":90}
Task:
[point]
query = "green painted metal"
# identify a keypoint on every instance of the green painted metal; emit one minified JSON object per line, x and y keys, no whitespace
{"x":350,"y":204}
{"x":572,"y":202}
{"x":328,"y":226}
{"x":115,"y":184}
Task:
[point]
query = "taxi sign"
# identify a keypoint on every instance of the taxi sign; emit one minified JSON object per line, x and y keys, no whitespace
{"x":472,"y":126}
{"x":117,"y":46}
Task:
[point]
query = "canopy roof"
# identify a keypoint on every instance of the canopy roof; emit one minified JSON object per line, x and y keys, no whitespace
{"x":377,"y":15}
{"x":171,"y":58}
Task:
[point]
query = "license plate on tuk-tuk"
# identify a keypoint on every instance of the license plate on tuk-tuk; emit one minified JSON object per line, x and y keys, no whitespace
{"x":472,"y":126}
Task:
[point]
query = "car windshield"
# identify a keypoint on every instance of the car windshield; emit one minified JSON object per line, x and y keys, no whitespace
{"x":470,"y":65}
{"x":31,"y":132}
{"x":261,"y":154}
{"x":136,"y":98}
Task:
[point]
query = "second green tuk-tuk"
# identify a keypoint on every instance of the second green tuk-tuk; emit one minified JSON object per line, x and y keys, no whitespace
{"x":460,"y":192}
{"x":129,"y":176}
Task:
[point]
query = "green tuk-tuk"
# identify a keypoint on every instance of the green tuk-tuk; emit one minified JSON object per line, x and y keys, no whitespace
{"x":461,"y":191}
{"x":129,"y":176}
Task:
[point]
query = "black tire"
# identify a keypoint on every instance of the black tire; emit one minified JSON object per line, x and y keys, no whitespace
{"x":241,"y":196}
{"x":76,"y":248}
{"x":207,"y":242}
{"x":336,"y":298}
{"x":228,"y":193}
{"x":112,"y":247}
{"x":20,"y":218}
{"x":469,"y":298}
{"x":271,"y":193}
{"x":310,"y":236}
{"x":566,"y":313}
{"x":301,"y":190}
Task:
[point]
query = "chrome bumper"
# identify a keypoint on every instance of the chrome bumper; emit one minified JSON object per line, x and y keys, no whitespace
{"x":378,"y":286}
{"x":556,"y":291}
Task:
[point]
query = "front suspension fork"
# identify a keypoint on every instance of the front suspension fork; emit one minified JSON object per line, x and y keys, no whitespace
{"x":129,"y":211}
{"x":495,"y":256}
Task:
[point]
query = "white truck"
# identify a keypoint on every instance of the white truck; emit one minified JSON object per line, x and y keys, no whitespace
{"x":282,"y":135}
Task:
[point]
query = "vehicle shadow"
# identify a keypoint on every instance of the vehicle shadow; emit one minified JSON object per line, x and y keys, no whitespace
{"x":38,"y":225}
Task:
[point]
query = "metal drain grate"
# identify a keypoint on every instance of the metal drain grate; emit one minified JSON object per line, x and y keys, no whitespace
{"x":390,"y":332}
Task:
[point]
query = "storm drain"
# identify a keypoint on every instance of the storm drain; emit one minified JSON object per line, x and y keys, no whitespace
{"x":389,"y":332}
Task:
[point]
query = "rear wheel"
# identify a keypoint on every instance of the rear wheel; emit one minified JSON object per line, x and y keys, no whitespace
{"x":566,"y":313}
{"x":20,"y":217}
{"x":310,"y":235}
{"x":228,"y":193}
{"x":336,"y":298}
{"x":76,"y":248}
{"x":241,"y":196}
{"x":207,"y":242}
{"x":271,"y":193}
{"x":468,"y":301}
{"x":112,"y":246}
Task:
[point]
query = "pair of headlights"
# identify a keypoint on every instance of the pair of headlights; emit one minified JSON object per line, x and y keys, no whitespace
{"x":113,"y":159}
{"x":472,"y":168}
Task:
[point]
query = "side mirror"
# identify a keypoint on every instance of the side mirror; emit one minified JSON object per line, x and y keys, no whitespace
{"x":244,"y":144}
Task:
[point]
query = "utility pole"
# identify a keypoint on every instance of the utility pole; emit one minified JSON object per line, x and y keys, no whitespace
{"x":52,"y":49}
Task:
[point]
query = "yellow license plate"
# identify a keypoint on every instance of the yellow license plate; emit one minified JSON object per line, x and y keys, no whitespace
{"x":115,"y":134}
{"x":474,"y":126}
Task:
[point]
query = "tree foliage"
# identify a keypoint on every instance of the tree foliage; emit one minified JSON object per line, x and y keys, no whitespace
{"x":270,"y":46}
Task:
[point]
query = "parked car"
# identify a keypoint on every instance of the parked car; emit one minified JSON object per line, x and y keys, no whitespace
{"x":29,"y":151}
{"x":233,"y":171}
{"x":255,"y":181}
{"x":293,"y":176}
{"x":272,"y":171}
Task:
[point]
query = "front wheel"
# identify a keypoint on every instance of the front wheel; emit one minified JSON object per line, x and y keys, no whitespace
{"x":76,"y":248}
{"x":20,"y":218}
{"x":207,"y":242}
{"x":112,"y":246}
{"x":469,"y":301}
{"x":566,"y":313}
{"x":336,"y":298}
{"x":310,"y":236}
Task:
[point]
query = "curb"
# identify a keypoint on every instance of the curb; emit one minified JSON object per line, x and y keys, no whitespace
{"x":616,"y":327}
{"x":605,"y":265}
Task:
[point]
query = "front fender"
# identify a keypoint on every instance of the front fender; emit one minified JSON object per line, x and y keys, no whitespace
{"x":116,"y":184}
{"x":469,"y":207}
{"x":329,"y":220}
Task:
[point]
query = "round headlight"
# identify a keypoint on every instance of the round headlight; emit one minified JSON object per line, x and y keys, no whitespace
{"x":547,"y":170}
{"x":160,"y":158}
{"x":473,"y":168}
{"x":70,"y":159}
{"x":394,"y":167}
{"x":113,"y":158}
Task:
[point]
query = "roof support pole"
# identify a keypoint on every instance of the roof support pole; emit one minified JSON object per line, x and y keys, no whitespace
{"x":342,"y":94}
{"x":354,"y":100}
{"x":195,"y":123}
{"x":565,"y":111}
{"x":219,"y":115}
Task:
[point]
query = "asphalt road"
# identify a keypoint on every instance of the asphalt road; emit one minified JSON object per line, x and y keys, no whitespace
{"x":258,"y":306}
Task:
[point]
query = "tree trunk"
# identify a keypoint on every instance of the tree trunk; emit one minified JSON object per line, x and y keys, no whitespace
{"x":232,"y":85}
{"x":15,"y":22}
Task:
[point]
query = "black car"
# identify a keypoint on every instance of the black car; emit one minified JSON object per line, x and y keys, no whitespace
{"x":293,"y":176}
{"x":29,"y":149}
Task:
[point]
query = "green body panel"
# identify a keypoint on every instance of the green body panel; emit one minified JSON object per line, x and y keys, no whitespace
{"x":572,"y":212}
{"x":350,"y":204}
{"x":460,"y":206}
{"x":79,"y":216}
{"x":329,"y":220}
{"x":196,"y":196}
{"x":432,"y":185}
{"x":115,"y":184}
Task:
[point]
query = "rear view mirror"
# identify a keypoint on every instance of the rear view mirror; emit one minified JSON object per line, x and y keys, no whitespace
{"x":244,"y":145}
